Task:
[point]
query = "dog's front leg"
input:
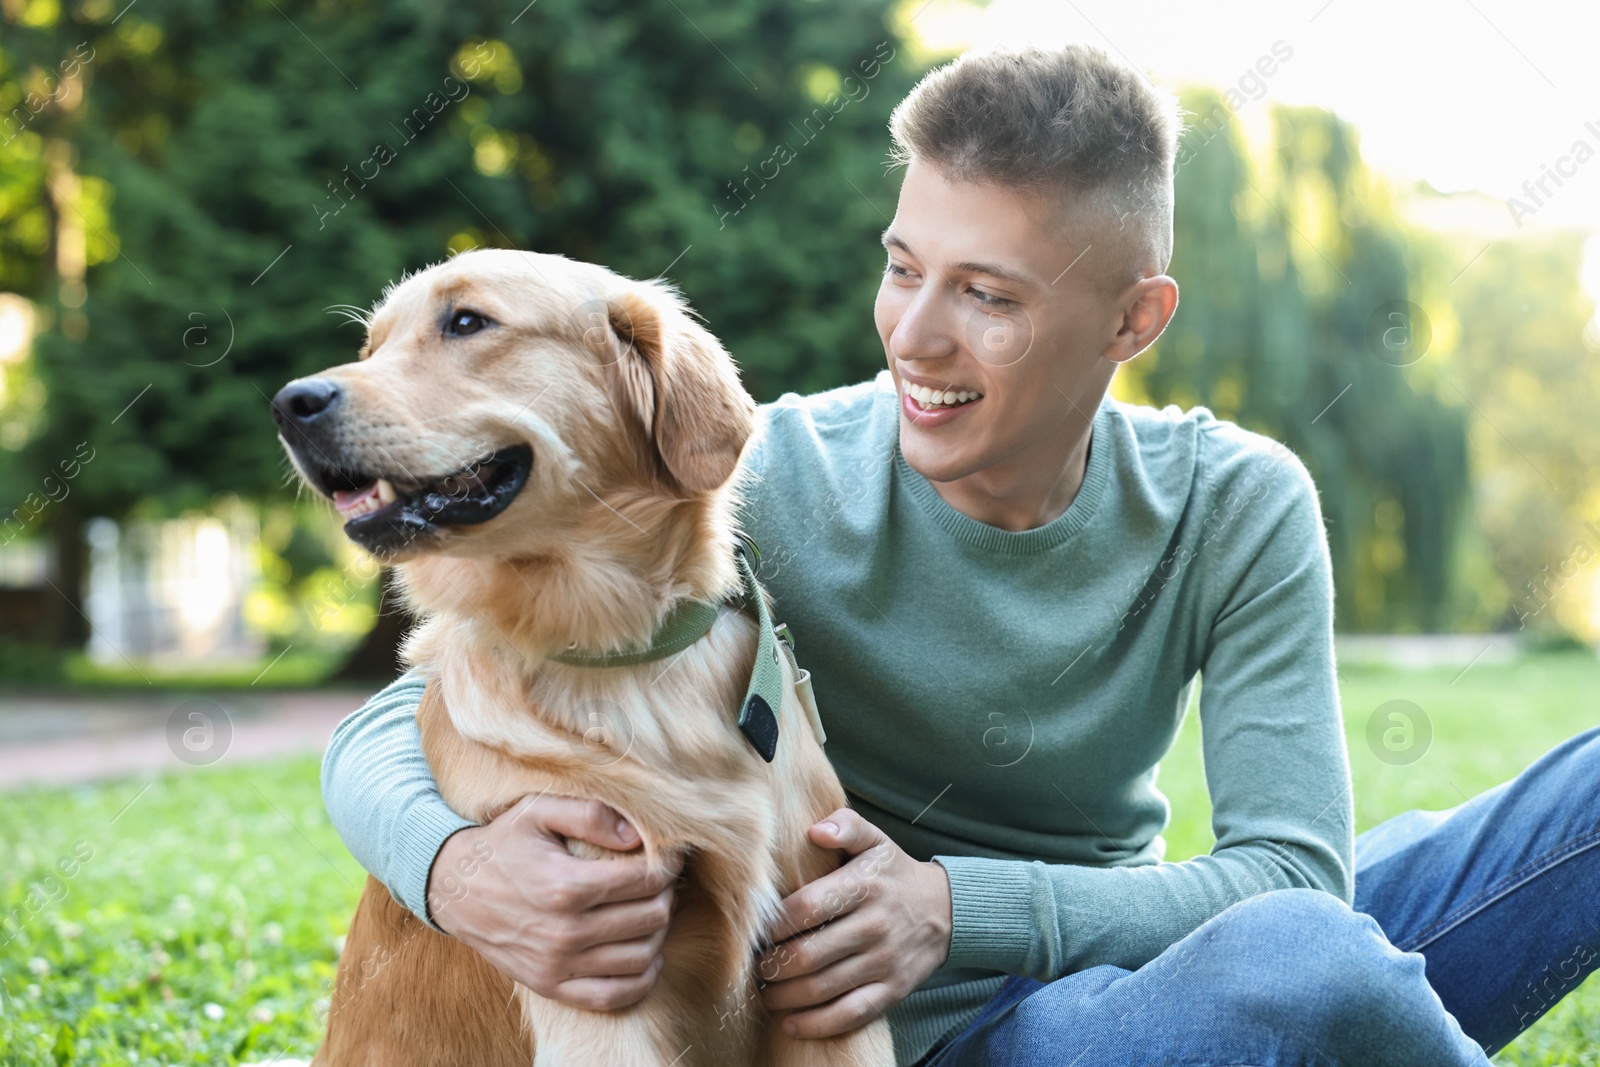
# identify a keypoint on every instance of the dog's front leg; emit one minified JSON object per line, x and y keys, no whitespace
{"x":807,"y":791}
{"x":409,"y":996}
{"x":870,"y":1046}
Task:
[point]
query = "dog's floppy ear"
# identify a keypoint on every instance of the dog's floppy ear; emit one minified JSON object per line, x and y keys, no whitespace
{"x":681,"y":384}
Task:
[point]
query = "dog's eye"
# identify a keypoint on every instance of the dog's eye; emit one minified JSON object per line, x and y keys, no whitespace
{"x":463,"y":323}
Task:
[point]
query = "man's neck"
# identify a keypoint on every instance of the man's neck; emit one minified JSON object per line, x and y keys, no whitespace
{"x":1023,"y":493}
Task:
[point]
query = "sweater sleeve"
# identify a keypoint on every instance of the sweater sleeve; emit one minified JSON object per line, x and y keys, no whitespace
{"x":382,"y":797}
{"x":1275,"y":764}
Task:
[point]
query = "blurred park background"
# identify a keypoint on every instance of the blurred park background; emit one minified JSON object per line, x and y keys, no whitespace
{"x":187,"y":188}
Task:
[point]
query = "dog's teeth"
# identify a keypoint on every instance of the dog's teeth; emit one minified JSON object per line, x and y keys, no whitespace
{"x":386,"y":493}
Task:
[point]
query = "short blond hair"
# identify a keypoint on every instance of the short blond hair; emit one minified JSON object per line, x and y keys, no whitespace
{"x":1071,"y":126}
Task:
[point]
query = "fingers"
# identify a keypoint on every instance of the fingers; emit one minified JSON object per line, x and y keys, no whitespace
{"x":846,"y":828}
{"x":839,"y":976}
{"x":853,"y":1010}
{"x":814,"y":903}
{"x":586,"y":819}
{"x":812,"y":951}
{"x":618,"y":959}
{"x":627,"y":920}
{"x":550,"y":819}
{"x":607,"y":994}
{"x":611,"y":881}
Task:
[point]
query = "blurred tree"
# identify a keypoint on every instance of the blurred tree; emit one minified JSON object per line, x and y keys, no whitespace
{"x":273,"y":157}
{"x":1530,"y":370}
{"x":1293,"y":269}
{"x":189,"y":186}
{"x":50,"y":223}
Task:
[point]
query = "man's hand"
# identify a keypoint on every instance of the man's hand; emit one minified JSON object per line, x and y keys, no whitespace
{"x":889,"y":930}
{"x":587,"y":933}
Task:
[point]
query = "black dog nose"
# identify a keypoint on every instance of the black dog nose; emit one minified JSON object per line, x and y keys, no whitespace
{"x":302,"y":401}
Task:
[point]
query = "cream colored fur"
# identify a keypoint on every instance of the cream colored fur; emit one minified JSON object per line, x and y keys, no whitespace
{"x":636,"y":420}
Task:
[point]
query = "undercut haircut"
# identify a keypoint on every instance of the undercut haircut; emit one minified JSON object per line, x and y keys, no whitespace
{"x":1089,"y":136}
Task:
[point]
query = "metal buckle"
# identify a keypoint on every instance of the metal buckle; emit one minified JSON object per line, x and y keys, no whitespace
{"x":781,"y":632}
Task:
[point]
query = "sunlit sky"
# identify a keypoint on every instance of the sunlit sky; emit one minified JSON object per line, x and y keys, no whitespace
{"x":1466,"y":94}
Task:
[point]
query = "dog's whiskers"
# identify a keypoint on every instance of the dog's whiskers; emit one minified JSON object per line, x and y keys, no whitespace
{"x":351,"y":313}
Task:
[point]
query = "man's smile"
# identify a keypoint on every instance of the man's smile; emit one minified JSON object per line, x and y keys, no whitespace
{"x":923,"y":397}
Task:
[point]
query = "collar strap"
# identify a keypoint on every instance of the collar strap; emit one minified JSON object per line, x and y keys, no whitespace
{"x":690,"y":620}
{"x":758,"y":715}
{"x":686,"y":623}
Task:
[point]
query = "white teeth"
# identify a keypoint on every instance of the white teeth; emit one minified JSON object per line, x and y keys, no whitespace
{"x":377,"y":497}
{"x":946,"y":398}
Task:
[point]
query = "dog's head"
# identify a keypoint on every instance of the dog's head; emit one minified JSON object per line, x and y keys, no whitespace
{"x":501,"y":394}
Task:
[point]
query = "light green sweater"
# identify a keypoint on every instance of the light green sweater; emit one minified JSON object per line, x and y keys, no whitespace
{"x":998,"y":701}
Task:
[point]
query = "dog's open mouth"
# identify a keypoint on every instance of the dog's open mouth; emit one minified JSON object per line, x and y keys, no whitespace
{"x":383,"y":513}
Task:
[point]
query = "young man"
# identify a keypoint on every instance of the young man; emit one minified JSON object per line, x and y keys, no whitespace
{"x":1004,"y":583}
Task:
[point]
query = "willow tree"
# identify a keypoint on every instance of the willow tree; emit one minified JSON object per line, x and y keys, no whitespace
{"x":1297,"y":320}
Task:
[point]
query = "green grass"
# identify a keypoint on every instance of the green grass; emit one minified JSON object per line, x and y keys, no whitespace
{"x":225,"y":888}
{"x":1487,"y":727}
{"x":203,"y":925}
{"x":38,"y":666}
{"x":293,"y":668}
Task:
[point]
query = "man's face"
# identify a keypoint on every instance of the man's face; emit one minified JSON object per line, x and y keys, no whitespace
{"x":984,"y":294}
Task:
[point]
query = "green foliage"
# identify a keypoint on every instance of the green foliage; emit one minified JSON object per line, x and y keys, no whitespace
{"x":25,"y":662}
{"x":26,"y":109}
{"x":235,"y":170}
{"x":1452,"y":468}
{"x":294,"y":668}
{"x":316,"y":590}
{"x":232,"y":134}
{"x":1284,"y":264}
{"x":1532,"y":378}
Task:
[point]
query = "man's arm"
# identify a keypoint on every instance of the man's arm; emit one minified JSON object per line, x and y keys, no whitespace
{"x":382,"y":797}
{"x":585,"y":932}
{"x":1275,"y":765}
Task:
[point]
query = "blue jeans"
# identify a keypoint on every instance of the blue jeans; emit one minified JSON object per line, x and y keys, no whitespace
{"x":1468,"y":925}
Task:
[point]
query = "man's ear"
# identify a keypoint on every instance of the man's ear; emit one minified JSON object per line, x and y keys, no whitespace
{"x":680,"y":383}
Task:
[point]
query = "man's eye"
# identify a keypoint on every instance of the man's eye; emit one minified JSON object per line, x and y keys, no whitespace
{"x":463,"y":323}
{"x":896,"y":270}
{"x":987,"y":300}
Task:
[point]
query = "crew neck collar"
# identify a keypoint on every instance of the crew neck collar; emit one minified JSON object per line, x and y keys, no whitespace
{"x":966,"y":529}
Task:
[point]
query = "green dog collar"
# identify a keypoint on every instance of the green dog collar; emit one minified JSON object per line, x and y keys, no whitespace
{"x":688,"y":622}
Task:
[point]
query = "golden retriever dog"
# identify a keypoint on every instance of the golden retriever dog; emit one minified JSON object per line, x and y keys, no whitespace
{"x":548,"y":452}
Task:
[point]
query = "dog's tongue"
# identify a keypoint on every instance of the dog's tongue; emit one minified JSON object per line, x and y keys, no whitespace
{"x":347,"y":500}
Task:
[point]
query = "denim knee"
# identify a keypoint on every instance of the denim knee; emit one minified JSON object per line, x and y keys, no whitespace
{"x":1318,"y":968}
{"x":1575,"y":761}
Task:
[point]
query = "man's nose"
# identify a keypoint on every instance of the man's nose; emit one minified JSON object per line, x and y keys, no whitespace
{"x":926,"y":328}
